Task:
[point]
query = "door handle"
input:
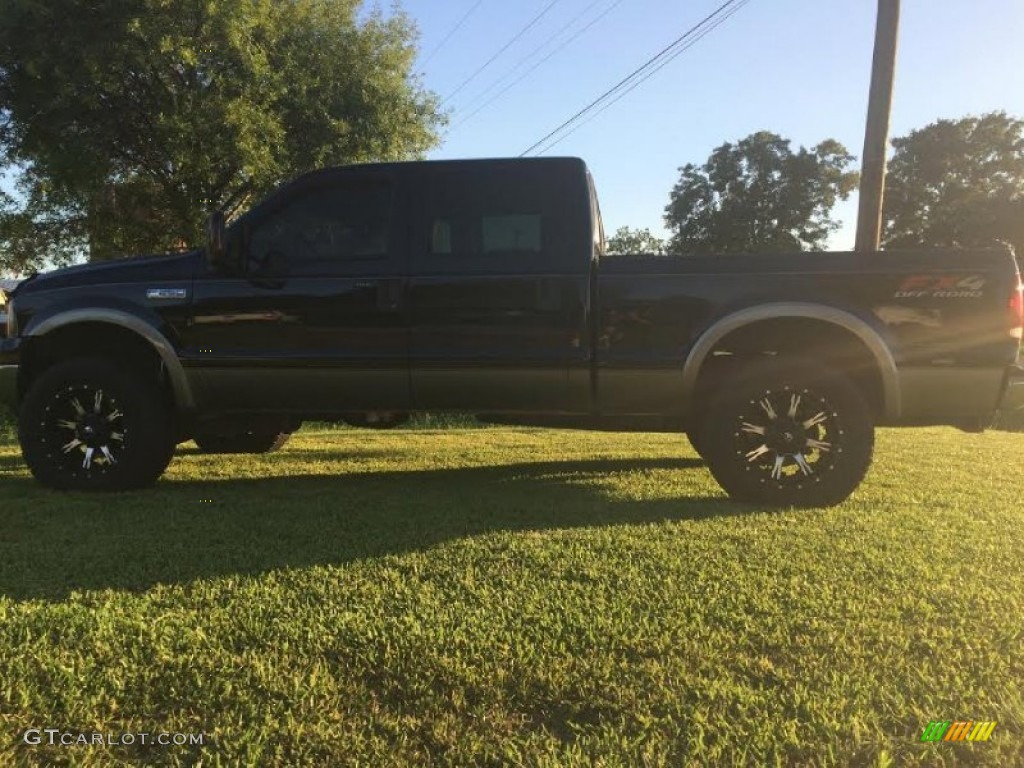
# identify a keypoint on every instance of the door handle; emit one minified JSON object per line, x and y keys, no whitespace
{"x":390,"y":292}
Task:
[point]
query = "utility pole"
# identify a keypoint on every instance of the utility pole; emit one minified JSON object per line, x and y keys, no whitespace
{"x":876,"y":134}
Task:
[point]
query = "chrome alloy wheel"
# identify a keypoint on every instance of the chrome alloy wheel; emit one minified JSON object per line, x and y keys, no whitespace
{"x":789,"y":437}
{"x":83,"y":430}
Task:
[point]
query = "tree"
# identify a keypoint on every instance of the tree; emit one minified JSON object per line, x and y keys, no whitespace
{"x":958,"y":183}
{"x":127,"y":121}
{"x":758,"y":196}
{"x":626,"y":240}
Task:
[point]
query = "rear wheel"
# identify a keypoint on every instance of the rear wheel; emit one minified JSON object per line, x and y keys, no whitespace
{"x":788,"y":433}
{"x":91,"y":424}
{"x":696,"y":437}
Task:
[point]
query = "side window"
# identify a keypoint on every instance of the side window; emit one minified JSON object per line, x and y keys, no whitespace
{"x":502,"y":234}
{"x":320,"y":229}
{"x":441,"y":238}
{"x":500,"y":217}
{"x":487,"y":235}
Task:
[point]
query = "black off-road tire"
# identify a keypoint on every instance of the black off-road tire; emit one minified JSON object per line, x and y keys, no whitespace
{"x":788,"y":433}
{"x":695,"y":435}
{"x":95,"y":403}
{"x":242,"y":442}
{"x":717,"y":372}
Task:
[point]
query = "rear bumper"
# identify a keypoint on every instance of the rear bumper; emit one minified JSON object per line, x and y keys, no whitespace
{"x":961,"y":397}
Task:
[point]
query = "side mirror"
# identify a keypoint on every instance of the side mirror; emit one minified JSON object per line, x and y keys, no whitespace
{"x":216,"y":241}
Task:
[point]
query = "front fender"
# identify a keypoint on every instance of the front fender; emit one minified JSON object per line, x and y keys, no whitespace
{"x":144,"y":324}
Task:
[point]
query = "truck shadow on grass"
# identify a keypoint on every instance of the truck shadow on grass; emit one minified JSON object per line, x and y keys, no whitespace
{"x":182,"y":530}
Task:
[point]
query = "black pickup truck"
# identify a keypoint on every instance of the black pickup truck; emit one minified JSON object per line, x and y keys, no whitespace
{"x":364,"y":293}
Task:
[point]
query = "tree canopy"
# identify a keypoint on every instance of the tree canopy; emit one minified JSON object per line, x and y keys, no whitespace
{"x":127,"y":121}
{"x":958,"y":183}
{"x":759,"y":196}
{"x":627,"y":240}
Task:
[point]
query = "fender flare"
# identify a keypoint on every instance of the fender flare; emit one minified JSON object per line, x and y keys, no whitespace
{"x":175,"y":370}
{"x":847,"y":321}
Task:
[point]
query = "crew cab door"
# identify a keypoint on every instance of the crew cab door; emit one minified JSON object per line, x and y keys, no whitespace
{"x":498,"y":289}
{"x":316,"y":321}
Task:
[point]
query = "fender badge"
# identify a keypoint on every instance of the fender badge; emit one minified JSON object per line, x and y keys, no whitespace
{"x":164,"y":294}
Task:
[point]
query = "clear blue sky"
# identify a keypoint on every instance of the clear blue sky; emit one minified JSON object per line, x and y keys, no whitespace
{"x":799,"y":68}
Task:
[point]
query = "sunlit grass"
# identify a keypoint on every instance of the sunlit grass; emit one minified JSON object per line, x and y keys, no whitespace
{"x":497,"y":596}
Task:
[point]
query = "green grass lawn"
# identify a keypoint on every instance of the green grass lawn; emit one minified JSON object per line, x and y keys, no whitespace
{"x":516,"y":596}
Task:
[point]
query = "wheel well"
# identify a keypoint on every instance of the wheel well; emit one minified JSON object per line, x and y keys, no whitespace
{"x":94,"y":339}
{"x":817,"y":340}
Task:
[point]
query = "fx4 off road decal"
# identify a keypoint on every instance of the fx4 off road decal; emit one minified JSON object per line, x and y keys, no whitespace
{"x":941,"y":287}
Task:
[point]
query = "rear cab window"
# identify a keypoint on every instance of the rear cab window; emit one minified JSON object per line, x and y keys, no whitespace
{"x":500,"y":218}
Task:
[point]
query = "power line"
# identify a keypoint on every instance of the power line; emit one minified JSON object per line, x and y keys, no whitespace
{"x":647,"y":75}
{"x":509,"y":44}
{"x":452,"y":31}
{"x":512,"y":70}
{"x":538,"y":64}
{"x":639,"y":72}
{"x":644,"y":70}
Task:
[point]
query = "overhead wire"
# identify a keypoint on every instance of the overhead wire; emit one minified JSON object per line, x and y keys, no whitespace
{"x":636,"y":73}
{"x":515,"y":38}
{"x":646,"y":76}
{"x":539,"y":63}
{"x":532,"y":53}
{"x":648,"y":68}
{"x":452,"y":31}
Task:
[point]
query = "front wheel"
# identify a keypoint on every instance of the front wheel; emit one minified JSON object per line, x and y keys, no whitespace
{"x":789,"y":434}
{"x":91,"y":424}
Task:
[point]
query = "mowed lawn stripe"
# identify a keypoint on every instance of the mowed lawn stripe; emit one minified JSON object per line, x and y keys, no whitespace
{"x":496,"y":596}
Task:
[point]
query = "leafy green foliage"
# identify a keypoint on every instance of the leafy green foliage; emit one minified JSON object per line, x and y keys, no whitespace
{"x":759,"y":196}
{"x":515,"y":597}
{"x":637,"y":241}
{"x":958,"y":183}
{"x":127,"y":122}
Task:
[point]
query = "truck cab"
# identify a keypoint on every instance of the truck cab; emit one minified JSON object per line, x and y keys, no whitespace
{"x":402,"y":287}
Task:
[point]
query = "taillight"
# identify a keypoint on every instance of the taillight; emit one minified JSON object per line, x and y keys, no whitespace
{"x":1017,"y":312}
